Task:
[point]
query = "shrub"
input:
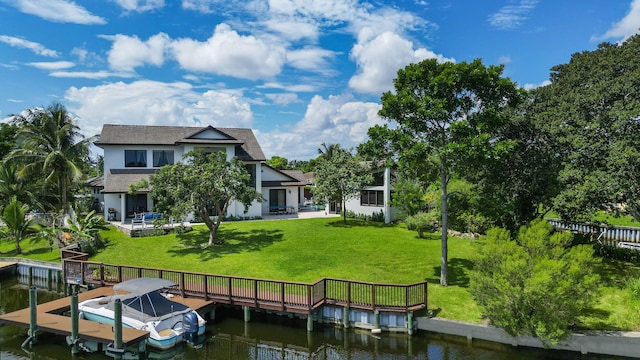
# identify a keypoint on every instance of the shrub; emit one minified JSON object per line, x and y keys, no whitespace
{"x":423,"y":222}
{"x":537,"y":284}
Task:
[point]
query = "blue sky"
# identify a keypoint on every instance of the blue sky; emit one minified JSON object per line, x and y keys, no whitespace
{"x":298,"y":72}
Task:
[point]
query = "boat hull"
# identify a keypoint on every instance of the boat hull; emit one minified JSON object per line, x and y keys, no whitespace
{"x":158,"y":342}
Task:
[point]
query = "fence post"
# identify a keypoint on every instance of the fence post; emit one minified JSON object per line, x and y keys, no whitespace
{"x":348,"y":294}
{"x":373,"y":297}
{"x":282,"y":294}
{"x":255,"y":293}
{"x":101,"y":274}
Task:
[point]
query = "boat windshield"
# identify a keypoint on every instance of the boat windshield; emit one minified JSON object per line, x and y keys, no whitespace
{"x":154,"y":304}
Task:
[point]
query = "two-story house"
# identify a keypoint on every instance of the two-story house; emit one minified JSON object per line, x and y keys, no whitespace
{"x":134,"y":152}
{"x":375,"y":198}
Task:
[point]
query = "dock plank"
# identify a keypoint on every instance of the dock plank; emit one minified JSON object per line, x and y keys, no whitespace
{"x":61,"y":325}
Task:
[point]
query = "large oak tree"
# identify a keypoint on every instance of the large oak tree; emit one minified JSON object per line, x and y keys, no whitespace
{"x":443,"y":116}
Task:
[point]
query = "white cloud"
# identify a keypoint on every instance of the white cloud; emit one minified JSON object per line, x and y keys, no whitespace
{"x":512,"y":16}
{"x":155,"y":103}
{"x":311,"y":59}
{"x":53,"y":65}
{"x":140,"y":5}
{"x":129,"y":52}
{"x":59,"y":11}
{"x":293,"y":29}
{"x":26,"y":44}
{"x":379,"y":59}
{"x":283,"y":98}
{"x":533,"y":86}
{"x":626,"y":27}
{"x":96,"y":75}
{"x":504,"y":59}
{"x":203,"y":6}
{"x":335,"y":120}
{"x":228,"y":53}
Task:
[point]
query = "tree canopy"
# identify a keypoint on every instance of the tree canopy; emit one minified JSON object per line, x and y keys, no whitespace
{"x":205,"y":182}
{"x":592,"y":110}
{"x":445,"y":117}
{"x":340,"y":176}
{"x":51,"y":149}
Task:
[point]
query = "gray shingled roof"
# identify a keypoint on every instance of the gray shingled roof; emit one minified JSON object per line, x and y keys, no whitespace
{"x":118,"y":180}
{"x":247,"y":147}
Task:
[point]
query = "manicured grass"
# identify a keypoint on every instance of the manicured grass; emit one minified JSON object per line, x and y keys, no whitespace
{"x":36,"y":250}
{"x":308,"y":250}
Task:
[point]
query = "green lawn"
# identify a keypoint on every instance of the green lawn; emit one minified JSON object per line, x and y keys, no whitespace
{"x":308,"y":250}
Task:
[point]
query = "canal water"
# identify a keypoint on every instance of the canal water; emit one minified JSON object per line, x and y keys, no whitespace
{"x":228,"y":337}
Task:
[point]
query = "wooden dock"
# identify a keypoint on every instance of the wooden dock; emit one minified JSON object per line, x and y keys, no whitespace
{"x":51,"y":320}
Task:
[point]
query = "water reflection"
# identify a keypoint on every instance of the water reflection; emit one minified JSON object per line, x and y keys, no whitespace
{"x":272,"y":337}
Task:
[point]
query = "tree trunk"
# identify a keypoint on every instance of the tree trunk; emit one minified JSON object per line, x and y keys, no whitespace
{"x":211,"y":225}
{"x":63,"y":192}
{"x":344,"y":211}
{"x":444,"y":268}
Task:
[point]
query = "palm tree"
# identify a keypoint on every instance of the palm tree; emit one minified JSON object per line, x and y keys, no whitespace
{"x":48,"y":146}
{"x":12,"y":186}
{"x":17,"y":226}
{"x":329,"y":151}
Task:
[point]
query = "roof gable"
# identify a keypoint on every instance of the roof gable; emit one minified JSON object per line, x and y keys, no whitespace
{"x":209,"y":133}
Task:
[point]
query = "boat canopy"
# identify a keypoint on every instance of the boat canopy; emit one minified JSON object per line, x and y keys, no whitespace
{"x":141,"y":286}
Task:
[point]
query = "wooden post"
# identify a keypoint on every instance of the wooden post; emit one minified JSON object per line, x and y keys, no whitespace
{"x":101,"y":274}
{"x":205,"y":287}
{"x":30,"y":274}
{"x":74,"y":324}
{"x":345,"y":317}
{"x":348,"y":294}
{"x":376,"y":319}
{"x":310,"y":322}
{"x":33,"y":314}
{"x":119,"y":273}
{"x":373,"y":297}
{"x":230,"y":292}
{"x":247,"y":313}
{"x":282,"y":294}
{"x":117,"y":328}
{"x":410,"y":323}
{"x":255,"y":293}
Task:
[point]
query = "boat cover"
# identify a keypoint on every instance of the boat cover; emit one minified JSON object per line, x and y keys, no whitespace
{"x":141,"y":286}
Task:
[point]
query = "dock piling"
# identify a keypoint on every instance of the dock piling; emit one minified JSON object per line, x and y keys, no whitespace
{"x":33,"y":313}
{"x":74,"y":324}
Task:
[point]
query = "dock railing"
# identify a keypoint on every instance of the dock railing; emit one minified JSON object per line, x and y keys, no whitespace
{"x":258,"y":293}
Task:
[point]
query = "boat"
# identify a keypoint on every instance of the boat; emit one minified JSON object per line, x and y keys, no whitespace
{"x":146,"y":305}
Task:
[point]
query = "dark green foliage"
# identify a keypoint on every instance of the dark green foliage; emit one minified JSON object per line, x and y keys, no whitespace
{"x":591,"y":110}
{"x":8,"y":136}
{"x":377,"y":216}
{"x":536,"y":284}
{"x":616,"y":253}
{"x":278,"y":162}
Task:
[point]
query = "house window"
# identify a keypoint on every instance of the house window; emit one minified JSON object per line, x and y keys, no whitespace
{"x":162,"y":158}
{"x":372,"y":198}
{"x":135,"y":158}
{"x":251,"y":169}
{"x":277,"y":197}
{"x":378,"y":179}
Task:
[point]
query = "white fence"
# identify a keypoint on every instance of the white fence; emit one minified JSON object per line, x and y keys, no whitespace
{"x":604,"y":233}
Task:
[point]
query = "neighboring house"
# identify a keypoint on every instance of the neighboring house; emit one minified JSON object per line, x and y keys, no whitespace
{"x":133,"y":152}
{"x":284,"y":190}
{"x":95,"y":186}
{"x":375,"y":198}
